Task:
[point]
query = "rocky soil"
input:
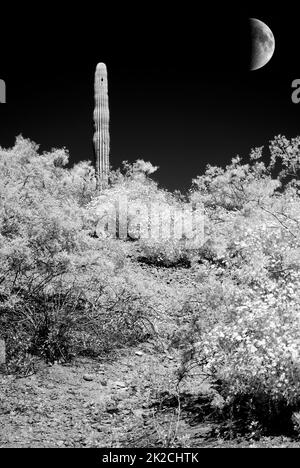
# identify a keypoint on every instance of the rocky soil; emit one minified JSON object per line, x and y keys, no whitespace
{"x":108,"y":404}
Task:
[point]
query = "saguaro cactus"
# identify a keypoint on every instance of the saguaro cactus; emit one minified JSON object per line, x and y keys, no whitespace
{"x":101,"y":120}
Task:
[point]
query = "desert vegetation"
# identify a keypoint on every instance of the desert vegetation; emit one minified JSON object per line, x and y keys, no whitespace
{"x":225,"y":313}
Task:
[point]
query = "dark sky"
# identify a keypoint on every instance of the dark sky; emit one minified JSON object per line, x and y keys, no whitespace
{"x":180,"y":92}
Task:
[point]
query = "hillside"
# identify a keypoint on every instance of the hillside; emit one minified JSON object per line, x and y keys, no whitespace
{"x":126,"y":340}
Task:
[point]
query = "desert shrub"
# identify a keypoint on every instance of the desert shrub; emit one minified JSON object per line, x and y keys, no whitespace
{"x":118,"y":311}
{"x":58,"y":326}
{"x":247,"y":344}
{"x":243,"y":323}
{"x":36,"y":325}
{"x":62,"y":291}
{"x":92,"y":307}
{"x":255,"y":360}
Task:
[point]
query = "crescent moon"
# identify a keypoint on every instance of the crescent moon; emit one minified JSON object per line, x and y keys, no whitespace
{"x":262,"y":44}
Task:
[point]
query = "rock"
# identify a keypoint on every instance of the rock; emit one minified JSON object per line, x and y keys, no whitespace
{"x":112,"y":408}
{"x":50,"y":386}
{"x":139,"y":413}
{"x":119,"y":397}
{"x":119,"y":384}
{"x":139,"y":353}
{"x":88,"y":377}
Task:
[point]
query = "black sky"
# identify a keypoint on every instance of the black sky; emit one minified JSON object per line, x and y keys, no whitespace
{"x":180,"y":91}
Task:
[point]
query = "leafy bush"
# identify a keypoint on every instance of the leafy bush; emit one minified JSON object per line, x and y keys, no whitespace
{"x":255,"y":359}
{"x":62,"y":291}
{"x":243,"y":327}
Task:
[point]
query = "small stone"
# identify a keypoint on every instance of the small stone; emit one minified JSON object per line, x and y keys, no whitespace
{"x":118,"y":398}
{"x":138,"y":413}
{"x":103,"y":382}
{"x":119,"y":384}
{"x":139,"y":353}
{"x":112,"y":408}
{"x":88,"y":377}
